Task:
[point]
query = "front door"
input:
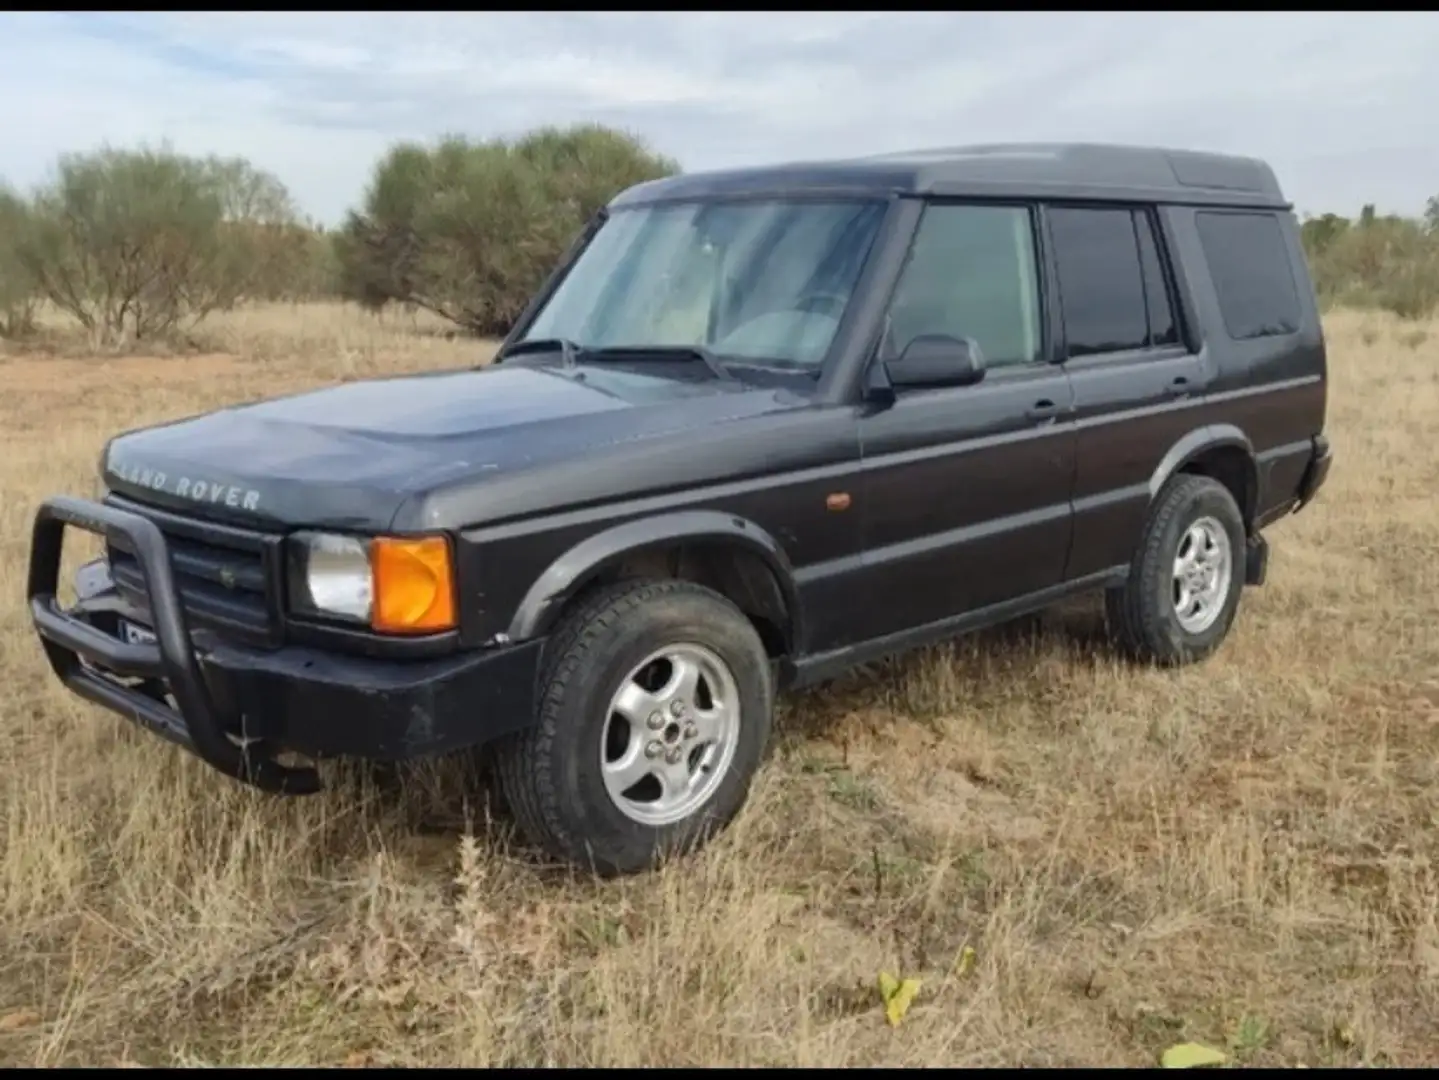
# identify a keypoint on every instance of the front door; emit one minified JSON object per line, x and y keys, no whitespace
{"x":967,"y":489}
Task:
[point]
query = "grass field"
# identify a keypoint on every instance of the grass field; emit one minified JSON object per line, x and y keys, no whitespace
{"x":1244,"y":853}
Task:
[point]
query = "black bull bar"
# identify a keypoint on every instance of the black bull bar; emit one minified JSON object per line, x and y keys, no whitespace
{"x":197,"y":724}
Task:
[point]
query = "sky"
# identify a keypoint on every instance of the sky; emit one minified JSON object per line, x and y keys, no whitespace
{"x":1345,"y":106}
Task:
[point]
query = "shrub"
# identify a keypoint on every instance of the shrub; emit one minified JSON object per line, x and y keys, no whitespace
{"x":469,"y":230}
{"x":1388,"y":262}
{"x":17,"y":288}
{"x":136,"y":243}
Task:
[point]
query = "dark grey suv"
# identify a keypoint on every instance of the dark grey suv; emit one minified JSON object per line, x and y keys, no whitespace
{"x":757,"y":427}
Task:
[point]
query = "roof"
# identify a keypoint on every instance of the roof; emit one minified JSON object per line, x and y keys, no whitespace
{"x":1034,"y":170}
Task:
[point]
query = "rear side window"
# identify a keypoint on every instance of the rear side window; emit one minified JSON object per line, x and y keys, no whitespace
{"x":1249,"y":263}
{"x":1113,"y":290}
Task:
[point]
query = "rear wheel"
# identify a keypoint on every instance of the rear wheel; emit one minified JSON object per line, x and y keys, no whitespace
{"x":1184,"y":584}
{"x":655,"y":708}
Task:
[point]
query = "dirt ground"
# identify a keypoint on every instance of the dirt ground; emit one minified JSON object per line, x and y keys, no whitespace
{"x":1081,"y":861}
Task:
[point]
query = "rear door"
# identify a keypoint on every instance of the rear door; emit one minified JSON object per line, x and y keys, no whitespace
{"x":966,"y":489}
{"x":1138,"y":387}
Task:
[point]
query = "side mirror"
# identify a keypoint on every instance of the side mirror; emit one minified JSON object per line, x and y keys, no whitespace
{"x":936,"y":360}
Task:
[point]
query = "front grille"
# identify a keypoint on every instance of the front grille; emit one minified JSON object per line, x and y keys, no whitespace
{"x":227,"y":578}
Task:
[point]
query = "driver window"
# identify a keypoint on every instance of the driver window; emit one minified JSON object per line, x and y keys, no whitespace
{"x":971,"y":274}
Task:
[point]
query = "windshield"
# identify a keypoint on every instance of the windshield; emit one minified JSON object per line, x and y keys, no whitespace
{"x":756,"y":281}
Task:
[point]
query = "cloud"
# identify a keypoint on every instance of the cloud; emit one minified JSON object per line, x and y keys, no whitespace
{"x":1342,"y":104}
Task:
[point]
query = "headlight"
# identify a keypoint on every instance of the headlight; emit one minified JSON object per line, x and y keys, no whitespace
{"x":330,"y":577}
{"x":396,"y":585}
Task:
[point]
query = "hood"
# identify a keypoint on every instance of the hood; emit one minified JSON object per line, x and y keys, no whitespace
{"x":351,"y":456}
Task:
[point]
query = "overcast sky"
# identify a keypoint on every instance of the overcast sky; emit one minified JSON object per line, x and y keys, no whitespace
{"x":1344,"y":106}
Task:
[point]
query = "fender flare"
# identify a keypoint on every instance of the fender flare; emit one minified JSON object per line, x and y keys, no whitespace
{"x":1200,"y":441}
{"x":558,"y":583}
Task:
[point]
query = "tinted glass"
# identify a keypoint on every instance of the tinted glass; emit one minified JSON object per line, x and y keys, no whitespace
{"x":1100,"y":283}
{"x":1163,"y":329}
{"x":971,"y":274}
{"x":1249,"y":263}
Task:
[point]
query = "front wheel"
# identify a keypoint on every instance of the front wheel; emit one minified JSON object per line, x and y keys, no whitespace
{"x":654,"y":711}
{"x":1184,"y":585}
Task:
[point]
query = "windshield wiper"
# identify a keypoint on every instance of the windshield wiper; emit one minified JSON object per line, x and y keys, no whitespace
{"x":568,"y":350}
{"x":573,"y":353}
{"x":663,"y":352}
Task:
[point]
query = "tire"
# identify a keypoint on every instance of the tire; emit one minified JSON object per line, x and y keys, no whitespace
{"x":554,"y":775}
{"x":1143,"y":615}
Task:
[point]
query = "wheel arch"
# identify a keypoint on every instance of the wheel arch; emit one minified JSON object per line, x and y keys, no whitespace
{"x":728,"y":553}
{"x":1221,"y":452}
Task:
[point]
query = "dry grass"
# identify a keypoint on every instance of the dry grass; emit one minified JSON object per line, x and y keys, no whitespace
{"x":1242,"y":853}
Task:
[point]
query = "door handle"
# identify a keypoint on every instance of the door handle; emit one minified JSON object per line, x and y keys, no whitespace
{"x":1179,"y":387}
{"x":1043,"y":410}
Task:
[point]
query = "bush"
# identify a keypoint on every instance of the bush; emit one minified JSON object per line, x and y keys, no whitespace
{"x":1386,"y":262}
{"x":17,"y":287}
{"x":469,"y":230}
{"x":293,"y":262}
{"x":134,"y":244}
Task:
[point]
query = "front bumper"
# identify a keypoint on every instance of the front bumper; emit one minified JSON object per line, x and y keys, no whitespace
{"x":238,"y":707}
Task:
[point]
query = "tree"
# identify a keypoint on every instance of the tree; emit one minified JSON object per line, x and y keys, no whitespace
{"x":469,"y":230}
{"x":135,"y":243}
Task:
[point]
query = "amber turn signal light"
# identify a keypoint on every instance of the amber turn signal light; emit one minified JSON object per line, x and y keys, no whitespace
{"x":414,"y":585}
